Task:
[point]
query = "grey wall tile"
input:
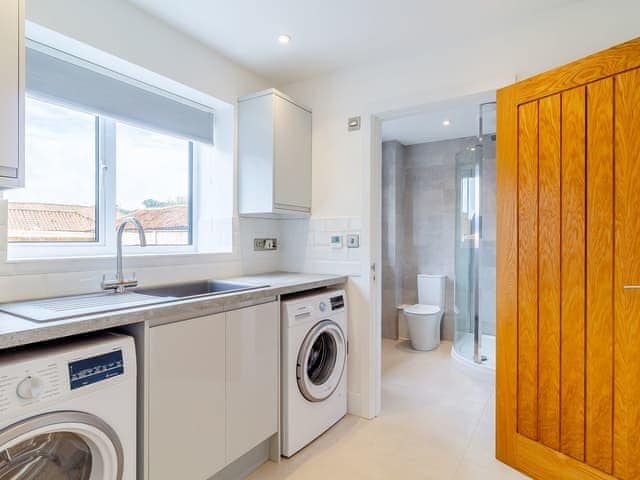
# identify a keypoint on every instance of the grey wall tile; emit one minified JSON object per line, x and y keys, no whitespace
{"x":419,"y":215}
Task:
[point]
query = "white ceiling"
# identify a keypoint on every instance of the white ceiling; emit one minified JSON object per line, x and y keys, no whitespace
{"x":331,"y":34}
{"x":426,"y":125}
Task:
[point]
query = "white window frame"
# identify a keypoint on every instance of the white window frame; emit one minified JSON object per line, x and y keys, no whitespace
{"x":105,"y":245}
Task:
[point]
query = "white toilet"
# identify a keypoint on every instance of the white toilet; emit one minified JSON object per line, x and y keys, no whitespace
{"x":424,"y":318}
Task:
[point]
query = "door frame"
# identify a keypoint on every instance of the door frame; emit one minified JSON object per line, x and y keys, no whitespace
{"x":512,"y":448}
{"x":372,"y":120}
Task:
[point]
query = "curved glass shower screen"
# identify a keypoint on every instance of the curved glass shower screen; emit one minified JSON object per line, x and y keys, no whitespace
{"x":467,"y":252}
{"x":474,"y":291}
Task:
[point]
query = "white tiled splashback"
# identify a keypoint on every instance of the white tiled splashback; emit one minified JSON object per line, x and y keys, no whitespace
{"x":304,"y":246}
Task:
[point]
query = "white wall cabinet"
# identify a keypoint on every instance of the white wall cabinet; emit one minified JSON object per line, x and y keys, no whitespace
{"x":274,"y":152}
{"x":187,"y":401}
{"x":253,"y":336}
{"x":213,"y":390}
{"x":11,"y":94}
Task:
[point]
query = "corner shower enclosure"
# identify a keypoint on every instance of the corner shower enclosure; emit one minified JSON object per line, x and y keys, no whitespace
{"x":474,"y":283}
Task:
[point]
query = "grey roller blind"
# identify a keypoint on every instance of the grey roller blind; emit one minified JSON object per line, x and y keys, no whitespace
{"x":106,"y":93}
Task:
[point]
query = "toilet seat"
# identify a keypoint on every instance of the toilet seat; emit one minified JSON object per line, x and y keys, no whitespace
{"x":420,"y":309}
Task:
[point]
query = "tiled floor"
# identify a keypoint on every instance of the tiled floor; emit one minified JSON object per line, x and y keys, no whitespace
{"x":436,"y":423}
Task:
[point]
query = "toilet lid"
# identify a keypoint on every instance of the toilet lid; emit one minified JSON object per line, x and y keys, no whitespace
{"x":419,"y":309}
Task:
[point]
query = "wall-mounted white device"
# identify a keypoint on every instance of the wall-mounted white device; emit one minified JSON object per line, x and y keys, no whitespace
{"x":353,"y":240}
{"x":262,"y":244}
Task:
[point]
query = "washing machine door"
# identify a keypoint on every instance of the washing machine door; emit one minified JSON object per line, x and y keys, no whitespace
{"x":321,"y":361}
{"x":60,"y":446}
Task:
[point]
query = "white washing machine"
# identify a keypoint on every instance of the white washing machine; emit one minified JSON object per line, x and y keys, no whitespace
{"x":68,"y":410}
{"x":314,"y":366}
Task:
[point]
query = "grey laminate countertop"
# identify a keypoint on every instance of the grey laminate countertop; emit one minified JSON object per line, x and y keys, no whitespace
{"x":16,"y":331}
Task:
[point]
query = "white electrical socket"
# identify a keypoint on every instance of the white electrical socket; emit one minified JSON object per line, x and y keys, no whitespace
{"x":261,"y":244}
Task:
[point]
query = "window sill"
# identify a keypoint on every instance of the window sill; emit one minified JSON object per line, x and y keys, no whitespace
{"x":107,"y":263}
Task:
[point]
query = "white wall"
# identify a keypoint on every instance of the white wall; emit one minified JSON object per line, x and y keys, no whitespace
{"x":120,"y":29}
{"x":342,"y":160}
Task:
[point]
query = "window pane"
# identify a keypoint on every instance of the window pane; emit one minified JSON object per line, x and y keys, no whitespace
{"x":153,"y":185}
{"x":59,"y":201}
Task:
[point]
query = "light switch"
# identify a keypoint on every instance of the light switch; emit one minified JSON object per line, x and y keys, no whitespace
{"x":353,"y":240}
{"x":353,"y":124}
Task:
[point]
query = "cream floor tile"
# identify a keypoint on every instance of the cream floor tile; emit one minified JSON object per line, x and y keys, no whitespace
{"x":436,"y":423}
{"x":468,"y":471}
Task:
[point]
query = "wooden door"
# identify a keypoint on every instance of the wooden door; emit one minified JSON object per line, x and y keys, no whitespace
{"x":568,"y":315}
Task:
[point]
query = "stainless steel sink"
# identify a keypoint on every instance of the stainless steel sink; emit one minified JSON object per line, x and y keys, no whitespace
{"x":197,"y":289}
{"x":75,"y":306}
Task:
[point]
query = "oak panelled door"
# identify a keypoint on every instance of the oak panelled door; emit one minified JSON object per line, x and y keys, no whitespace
{"x":568,"y":319}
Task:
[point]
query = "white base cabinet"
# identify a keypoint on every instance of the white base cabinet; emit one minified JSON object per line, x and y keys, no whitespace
{"x":253,"y":365}
{"x":187,"y":401}
{"x":213,"y":390}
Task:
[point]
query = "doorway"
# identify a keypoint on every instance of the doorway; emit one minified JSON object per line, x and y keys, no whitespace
{"x":437,"y":219}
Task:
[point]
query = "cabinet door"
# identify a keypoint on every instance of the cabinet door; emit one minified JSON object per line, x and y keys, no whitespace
{"x":255,"y":155}
{"x":10,"y":82}
{"x":253,"y":370}
{"x":187,"y":399}
{"x":292,"y":156}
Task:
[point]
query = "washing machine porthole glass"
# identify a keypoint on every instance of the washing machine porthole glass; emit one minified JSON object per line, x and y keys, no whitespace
{"x":49,"y":456}
{"x":321,"y":361}
{"x":322,"y":358}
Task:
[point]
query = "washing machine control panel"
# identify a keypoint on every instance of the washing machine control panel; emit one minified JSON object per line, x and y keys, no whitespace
{"x":30,"y":388}
{"x":24,"y":385}
{"x":331,"y":304}
{"x":90,"y":370}
{"x":36,"y":376}
{"x":304,"y":309}
{"x":337,"y":302}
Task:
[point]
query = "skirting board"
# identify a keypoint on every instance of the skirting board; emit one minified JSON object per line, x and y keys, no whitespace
{"x":246,"y":464}
{"x":354,"y":404}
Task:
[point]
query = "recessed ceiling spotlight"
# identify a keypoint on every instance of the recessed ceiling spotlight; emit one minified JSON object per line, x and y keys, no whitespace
{"x":284,"y":39}
{"x":446,"y":123}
